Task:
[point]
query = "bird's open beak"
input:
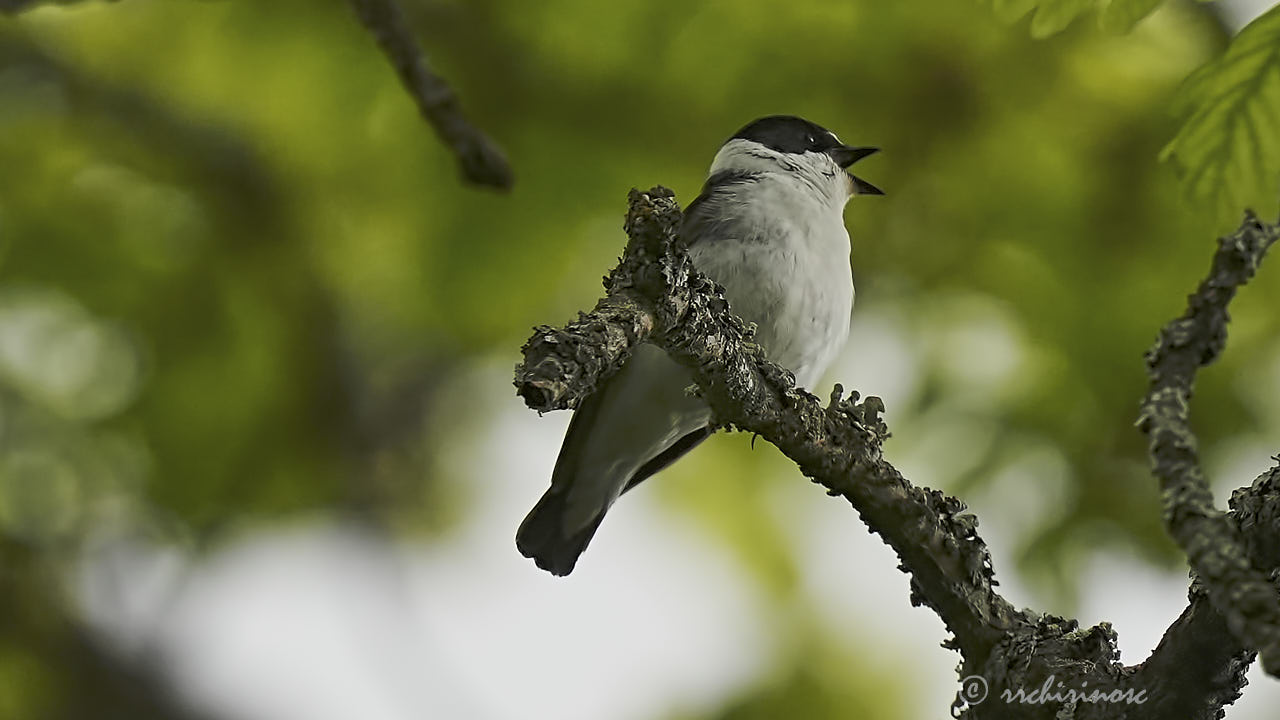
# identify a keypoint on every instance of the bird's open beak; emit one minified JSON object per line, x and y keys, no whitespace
{"x":846,"y":156}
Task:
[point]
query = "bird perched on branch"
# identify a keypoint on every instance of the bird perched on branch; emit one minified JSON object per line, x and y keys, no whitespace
{"x":769,"y":227}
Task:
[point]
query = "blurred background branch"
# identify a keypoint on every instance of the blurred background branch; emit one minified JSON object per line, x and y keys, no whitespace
{"x":481,"y":161}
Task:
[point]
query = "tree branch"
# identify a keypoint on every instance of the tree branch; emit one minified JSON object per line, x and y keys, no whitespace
{"x":482,"y":162}
{"x":1215,"y":549}
{"x":1256,"y":510}
{"x":1198,"y":666}
{"x":480,"y":159}
{"x":656,"y":295}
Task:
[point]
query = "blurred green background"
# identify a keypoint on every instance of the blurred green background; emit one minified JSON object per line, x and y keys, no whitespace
{"x":244,"y":297}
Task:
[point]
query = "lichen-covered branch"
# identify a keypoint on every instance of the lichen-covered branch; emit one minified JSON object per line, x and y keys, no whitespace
{"x":1256,"y":511}
{"x":481,"y":160}
{"x":1217,"y":552}
{"x":656,"y":295}
{"x":1198,"y":666}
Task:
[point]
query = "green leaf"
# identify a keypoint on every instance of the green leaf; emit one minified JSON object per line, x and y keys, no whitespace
{"x":1053,"y":16}
{"x":1119,"y":16}
{"x":1011,"y":11}
{"x":1228,"y":149}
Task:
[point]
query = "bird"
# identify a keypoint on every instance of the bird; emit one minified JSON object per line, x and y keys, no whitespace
{"x":769,"y":228}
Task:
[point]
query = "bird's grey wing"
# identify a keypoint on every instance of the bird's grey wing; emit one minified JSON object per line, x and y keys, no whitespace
{"x":705,"y":216}
{"x":628,"y":428}
{"x":668,"y":456}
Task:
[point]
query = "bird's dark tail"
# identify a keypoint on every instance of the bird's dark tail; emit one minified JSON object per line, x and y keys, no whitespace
{"x":547,"y":535}
{"x":541,"y":536}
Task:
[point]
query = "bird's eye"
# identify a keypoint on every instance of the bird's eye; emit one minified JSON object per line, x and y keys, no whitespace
{"x":811,"y":140}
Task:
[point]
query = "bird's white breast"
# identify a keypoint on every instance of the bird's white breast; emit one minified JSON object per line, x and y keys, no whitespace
{"x":784,"y":265}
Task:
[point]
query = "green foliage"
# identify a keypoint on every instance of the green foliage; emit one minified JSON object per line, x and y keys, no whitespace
{"x":1011,"y":11}
{"x":1119,"y":16}
{"x":1229,"y":145}
{"x":1053,"y":16}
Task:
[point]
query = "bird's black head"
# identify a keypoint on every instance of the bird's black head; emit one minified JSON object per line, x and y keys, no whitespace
{"x":795,"y":135}
{"x":789,"y":134}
